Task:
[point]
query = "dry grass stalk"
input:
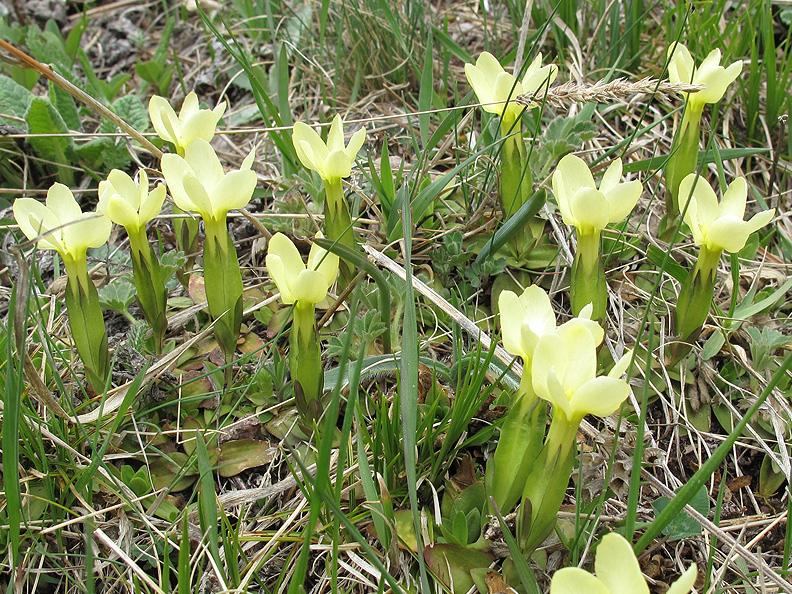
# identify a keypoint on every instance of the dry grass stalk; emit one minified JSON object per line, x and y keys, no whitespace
{"x":602,"y":92}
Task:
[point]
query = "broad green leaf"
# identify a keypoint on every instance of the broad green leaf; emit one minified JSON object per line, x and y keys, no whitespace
{"x":14,"y":99}
{"x":131,"y":109}
{"x":43,"y":118}
{"x":683,"y":526}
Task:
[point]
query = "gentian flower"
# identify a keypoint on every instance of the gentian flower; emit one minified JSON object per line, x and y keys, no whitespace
{"x":332,"y":160}
{"x":129,"y":204}
{"x":685,"y":149}
{"x":61,"y":225}
{"x":720,"y":225}
{"x":617,"y":571}
{"x":304,"y":287}
{"x":524,"y":321}
{"x":494,"y":86}
{"x":716,"y":226}
{"x":132,"y":206}
{"x":710,"y":74}
{"x":198,"y":183}
{"x":191,"y":123}
{"x":584,"y":205}
{"x":590,"y":209}
{"x":296,"y":282}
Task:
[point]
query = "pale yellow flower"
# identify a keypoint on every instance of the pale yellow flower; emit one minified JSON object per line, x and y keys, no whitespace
{"x":68,"y":229}
{"x":493,"y":85}
{"x":191,"y":123}
{"x":525,"y":319}
{"x":617,"y":571}
{"x":198,"y":183}
{"x":713,"y":76}
{"x":129,"y":204}
{"x":585,"y":206}
{"x":296,"y":282}
{"x":332,"y":160}
{"x":719,"y":225}
{"x":564,"y":372}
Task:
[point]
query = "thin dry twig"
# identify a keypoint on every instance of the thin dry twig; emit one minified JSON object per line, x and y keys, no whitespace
{"x":19,"y":58}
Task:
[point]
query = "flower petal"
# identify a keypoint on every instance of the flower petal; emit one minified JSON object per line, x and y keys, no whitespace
{"x":573,"y":580}
{"x":324,"y":262}
{"x":335,"y":137}
{"x":589,"y":210}
{"x":199,"y":198}
{"x":309,"y":287}
{"x":189,"y":106}
{"x":126,"y":187}
{"x":481,"y":85}
{"x":612,"y":176}
{"x":506,"y":88}
{"x":284,"y":248}
{"x":705,"y":208}
{"x":337,"y":165}
{"x":35,"y":219}
{"x":734,"y":198}
{"x":538,"y":308}
{"x":540,"y":79}
{"x":310,"y":148}
{"x":280,"y":277}
{"x":562,"y":196}
{"x":581,"y":350}
{"x":557,"y":395}
{"x":599,"y":396}
{"x":233,"y":192}
{"x":152,"y":206}
{"x":511,"y":317}
{"x":90,"y":230}
{"x":716,"y":78}
{"x":596,"y":331}
{"x":174,"y":169}
{"x":62,"y":204}
{"x":617,"y":567}
{"x":685,"y":582}
{"x":114,"y":206}
{"x":163,"y":118}
{"x":550,"y":353}
{"x":355,"y":144}
{"x":576,"y":174}
{"x":731,"y":234}
{"x":622,"y":199}
{"x":621,"y":365}
{"x":680,"y":64}
{"x":205,"y":164}
{"x":201,"y":125}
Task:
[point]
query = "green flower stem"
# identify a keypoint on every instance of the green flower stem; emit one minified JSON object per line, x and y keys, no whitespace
{"x":518,"y":446}
{"x":149,"y":284}
{"x":684,"y":157}
{"x":546,"y":486}
{"x":186,"y":231}
{"x":223,"y":284}
{"x":587,"y":284}
{"x":305,"y":360}
{"x":695,"y":297}
{"x":516,"y":183}
{"x":338,"y":225}
{"x":87,"y":323}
